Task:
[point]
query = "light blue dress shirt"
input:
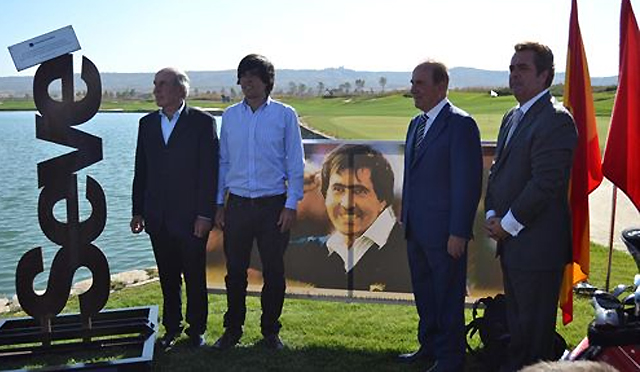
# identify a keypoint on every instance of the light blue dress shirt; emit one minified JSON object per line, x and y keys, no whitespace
{"x":261,"y":152}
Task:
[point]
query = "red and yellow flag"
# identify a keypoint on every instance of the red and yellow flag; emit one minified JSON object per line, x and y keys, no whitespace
{"x":622,"y":155}
{"x":586,"y":173}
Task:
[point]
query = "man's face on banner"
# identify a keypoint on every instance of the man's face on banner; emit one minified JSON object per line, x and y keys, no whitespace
{"x":352,"y":204}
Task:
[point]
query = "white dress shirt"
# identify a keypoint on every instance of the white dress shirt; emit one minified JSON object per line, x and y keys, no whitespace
{"x":378,"y":233}
{"x":167,"y":124}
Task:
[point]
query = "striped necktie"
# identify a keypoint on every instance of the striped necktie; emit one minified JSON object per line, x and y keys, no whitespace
{"x":422,"y":124}
{"x":513,"y":124}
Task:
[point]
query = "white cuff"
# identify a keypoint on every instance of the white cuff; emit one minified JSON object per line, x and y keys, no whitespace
{"x":489,"y":214}
{"x":511,"y":225}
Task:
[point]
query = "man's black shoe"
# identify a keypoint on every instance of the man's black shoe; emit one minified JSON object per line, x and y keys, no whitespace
{"x":418,"y":355}
{"x":197,"y":341}
{"x":169,"y":339}
{"x":227,"y":340}
{"x":272,"y":342}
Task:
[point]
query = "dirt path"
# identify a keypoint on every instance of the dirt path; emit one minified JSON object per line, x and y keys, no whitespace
{"x":600,"y":202}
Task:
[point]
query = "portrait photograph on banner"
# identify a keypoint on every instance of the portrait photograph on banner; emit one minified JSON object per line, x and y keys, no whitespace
{"x":348,"y":240}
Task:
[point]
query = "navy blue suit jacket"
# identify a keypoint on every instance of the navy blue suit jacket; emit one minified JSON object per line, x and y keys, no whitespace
{"x":176,"y":182}
{"x":442,"y":180}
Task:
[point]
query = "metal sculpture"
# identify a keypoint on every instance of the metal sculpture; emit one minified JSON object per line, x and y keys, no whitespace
{"x":47,"y":332}
{"x":58,"y":182}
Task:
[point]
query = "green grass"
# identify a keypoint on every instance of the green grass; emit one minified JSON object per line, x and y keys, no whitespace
{"x":387,"y":118}
{"x":333,"y":336}
{"x":381,"y":118}
{"x":16,"y":105}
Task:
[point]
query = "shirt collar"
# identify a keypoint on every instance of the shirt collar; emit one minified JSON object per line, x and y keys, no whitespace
{"x":527,"y":105}
{"x":435,"y":110}
{"x":265,"y":104}
{"x":378,"y":233}
{"x":176,"y":114}
{"x":380,"y":229}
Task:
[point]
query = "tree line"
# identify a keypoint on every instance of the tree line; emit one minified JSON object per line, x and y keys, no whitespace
{"x":292,"y":89}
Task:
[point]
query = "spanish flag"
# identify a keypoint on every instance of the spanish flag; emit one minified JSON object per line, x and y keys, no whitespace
{"x":622,"y":154}
{"x":586,"y":173}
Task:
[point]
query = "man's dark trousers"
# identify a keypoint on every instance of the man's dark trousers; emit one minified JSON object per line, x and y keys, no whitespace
{"x":439,"y":288}
{"x":247,"y":220}
{"x":175,"y":255}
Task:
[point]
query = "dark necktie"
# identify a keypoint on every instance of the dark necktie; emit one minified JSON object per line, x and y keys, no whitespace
{"x":422,"y":124}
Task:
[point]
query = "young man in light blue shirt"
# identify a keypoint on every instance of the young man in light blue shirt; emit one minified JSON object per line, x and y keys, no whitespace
{"x":261,"y":179}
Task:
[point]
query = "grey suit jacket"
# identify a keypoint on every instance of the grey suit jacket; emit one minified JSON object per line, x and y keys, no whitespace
{"x":530,"y":176}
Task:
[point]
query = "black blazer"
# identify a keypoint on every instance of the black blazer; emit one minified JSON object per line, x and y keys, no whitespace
{"x":176,"y":182}
{"x":530,"y":176}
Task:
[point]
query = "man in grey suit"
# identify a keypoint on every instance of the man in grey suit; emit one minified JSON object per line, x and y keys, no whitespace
{"x":527,"y":205}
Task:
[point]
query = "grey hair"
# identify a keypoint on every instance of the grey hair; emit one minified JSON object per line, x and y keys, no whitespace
{"x":183,"y":80}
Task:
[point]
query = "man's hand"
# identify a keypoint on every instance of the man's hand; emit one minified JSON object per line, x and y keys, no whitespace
{"x":494,"y":229}
{"x":201,"y":227}
{"x":137,"y":224}
{"x":456,"y":246}
{"x":287,"y":219}
{"x":219,"y":220}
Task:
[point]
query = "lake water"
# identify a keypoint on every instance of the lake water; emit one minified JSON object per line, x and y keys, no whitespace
{"x":20,"y":231}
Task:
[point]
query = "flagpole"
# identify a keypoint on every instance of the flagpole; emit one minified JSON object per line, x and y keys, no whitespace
{"x":613,"y":223}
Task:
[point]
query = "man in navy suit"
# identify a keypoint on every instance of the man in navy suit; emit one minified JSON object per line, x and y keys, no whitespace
{"x":442,"y":186}
{"x":527,"y":206}
{"x":174,"y":186}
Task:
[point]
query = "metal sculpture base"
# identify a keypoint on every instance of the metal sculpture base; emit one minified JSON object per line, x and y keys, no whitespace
{"x":130,"y":331}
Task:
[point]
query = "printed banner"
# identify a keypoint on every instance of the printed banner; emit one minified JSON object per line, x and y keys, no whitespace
{"x":348,"y":241}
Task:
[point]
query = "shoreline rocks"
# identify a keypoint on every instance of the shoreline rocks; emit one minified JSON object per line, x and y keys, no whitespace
{"x":118,"y":281}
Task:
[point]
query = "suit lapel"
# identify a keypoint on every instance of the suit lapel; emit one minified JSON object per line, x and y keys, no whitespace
{"x":502,"y":135}
{"x":156,"y":129}
{"x":434,"y":131}
{"x":411,"y":134}
{"x":181,"y":126}
{"x":526,"y":121}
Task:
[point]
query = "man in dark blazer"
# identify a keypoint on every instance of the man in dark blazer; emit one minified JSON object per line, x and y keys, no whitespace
{"x":174,"y":187}
{"x":526,"y":204}
{"x":442,"y":187}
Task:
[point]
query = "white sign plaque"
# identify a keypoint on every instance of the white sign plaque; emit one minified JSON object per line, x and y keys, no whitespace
{"x":44,"y":47}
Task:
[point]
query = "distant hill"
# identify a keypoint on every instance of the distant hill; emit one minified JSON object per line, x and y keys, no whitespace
{"x":331,"y":78}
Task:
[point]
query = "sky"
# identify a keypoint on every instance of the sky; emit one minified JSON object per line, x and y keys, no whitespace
{"x":368,"y":35}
